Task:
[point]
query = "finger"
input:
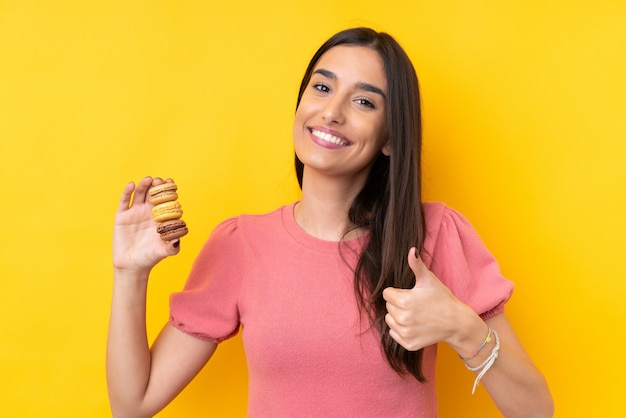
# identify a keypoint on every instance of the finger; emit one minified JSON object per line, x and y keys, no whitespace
{"x":417,"y":266}
{"x":158,"y":180}
{"x":141,"y":192}
{"x":391,"y":308}
{"x":125,"y":198}
{"x":390,"y":321}
{"x":393,"y":296}
{"x":173,"y":247}
{"x":397,"y":299}
{"x":403,"y":335}
{"x":389,"y":294}
{"x":410,"y":344}
{"x":398,"y":317}
{"x":395,"y":332}
{"x":415,"y":261}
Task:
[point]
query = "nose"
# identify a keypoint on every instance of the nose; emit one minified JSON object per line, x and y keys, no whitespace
{"x":333,"y":111}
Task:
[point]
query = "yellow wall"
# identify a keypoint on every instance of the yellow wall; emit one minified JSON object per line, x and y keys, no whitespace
{"x":525,"y":133}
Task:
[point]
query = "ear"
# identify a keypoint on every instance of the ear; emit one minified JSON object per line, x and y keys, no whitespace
{"x":386,"y":150}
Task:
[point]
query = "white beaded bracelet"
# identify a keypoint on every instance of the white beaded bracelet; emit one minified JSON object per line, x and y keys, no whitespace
{"x":485,"y":365}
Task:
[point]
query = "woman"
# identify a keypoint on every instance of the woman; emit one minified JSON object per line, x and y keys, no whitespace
{"x":342,"y":296}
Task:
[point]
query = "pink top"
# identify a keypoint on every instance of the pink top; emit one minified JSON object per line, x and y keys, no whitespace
{"x":309,"y":353}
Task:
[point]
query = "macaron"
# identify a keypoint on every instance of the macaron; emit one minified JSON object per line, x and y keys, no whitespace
{"x":165,"y":192}
{"x":167,"y":211}
{"x":173,"y":229}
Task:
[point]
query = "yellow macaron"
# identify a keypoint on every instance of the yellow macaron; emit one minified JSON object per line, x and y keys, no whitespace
{"x":167,"y":211}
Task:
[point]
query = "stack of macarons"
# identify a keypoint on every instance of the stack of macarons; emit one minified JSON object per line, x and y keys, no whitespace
{"x":167,"y":211}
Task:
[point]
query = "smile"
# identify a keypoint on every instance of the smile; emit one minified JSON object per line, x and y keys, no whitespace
{"x":326,"y":137}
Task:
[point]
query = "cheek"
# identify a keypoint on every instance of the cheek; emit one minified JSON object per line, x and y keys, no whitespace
{"x":383,"y":132}
{"x":298,"y":125}
{"x":305,"y":113}
{"x":298,"y":132}
{"x":379,"y":131}
{"x":301,"y":112}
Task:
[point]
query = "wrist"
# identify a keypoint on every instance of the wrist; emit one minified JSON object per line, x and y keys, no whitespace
{"x":487,"y":340}
{"x":486,"y":364}
{"x":130,"y":289}
{"x":471,"y":337}
{"x":130,"y":275}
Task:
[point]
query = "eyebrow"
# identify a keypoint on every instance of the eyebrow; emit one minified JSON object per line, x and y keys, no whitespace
{"x":360,"y":85}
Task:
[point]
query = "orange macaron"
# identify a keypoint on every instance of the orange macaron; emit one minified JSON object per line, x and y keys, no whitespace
{"x":165,"y":192}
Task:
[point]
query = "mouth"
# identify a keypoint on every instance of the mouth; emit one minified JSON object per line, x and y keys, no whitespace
{"x":329,"y":138}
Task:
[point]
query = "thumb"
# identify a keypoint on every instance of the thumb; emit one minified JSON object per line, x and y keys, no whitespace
{"x":417,"y":266}
{"x":173,"y":247}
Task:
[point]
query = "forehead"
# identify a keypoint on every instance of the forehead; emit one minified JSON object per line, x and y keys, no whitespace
{"x":354,"y":64}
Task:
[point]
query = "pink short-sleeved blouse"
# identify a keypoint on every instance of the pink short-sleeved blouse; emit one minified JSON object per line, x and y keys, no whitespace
{"x":308,"y":350}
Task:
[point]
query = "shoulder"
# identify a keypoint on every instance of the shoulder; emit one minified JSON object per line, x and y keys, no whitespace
{"x":436,"y":213}
{"x":439,"y":218}
{"x":229,"y":239}
{"x":433,"y":214}
{"x":250,"y":226}
{"x":262,"y":223}
{"x":455,"y":253}
{"x":447,"y":230}
{"x":440,"y":221}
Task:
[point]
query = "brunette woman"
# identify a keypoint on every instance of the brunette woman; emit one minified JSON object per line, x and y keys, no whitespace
{"x":341,"y":297}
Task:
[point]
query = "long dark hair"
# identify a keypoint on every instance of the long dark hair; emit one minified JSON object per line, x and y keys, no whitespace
{"x":389,"y":205}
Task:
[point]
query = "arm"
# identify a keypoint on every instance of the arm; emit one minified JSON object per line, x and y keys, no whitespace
{"x":513,"y":382}
{"x":141,"y":381}
{"x":430,"y":313}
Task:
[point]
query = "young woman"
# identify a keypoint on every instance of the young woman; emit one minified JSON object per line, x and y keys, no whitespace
{"x":341,"y":297}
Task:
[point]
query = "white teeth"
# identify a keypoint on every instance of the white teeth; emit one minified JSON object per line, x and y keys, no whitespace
{"x":328,"y":137}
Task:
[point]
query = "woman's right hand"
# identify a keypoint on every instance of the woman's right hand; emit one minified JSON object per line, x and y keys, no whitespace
{"x":137,"y":247}
{"x":141,"y":381}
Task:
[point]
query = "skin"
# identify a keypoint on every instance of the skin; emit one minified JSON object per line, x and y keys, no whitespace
{"x":429,"y":313}
{"x":141,"y":380}
{"x":343,"y":99}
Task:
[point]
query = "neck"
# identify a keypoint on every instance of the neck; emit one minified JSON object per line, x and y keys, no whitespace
{"x":323,"y":210}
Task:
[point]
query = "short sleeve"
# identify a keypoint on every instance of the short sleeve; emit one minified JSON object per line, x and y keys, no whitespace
{"x":207,"y":307}
{"x":455,"y":253}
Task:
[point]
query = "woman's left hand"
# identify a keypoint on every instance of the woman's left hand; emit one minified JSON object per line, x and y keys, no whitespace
{"x":428,"y":313}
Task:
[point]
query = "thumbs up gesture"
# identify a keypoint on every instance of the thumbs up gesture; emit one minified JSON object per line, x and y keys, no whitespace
{"x":427,"y":313}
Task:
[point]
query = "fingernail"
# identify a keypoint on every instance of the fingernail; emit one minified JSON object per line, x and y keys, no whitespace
{"x":176,"y":243}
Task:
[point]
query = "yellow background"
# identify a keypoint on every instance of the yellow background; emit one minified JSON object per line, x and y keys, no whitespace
{"x":525,"y":133}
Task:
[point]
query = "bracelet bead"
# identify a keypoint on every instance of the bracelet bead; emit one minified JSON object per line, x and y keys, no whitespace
{"x":486,"y":365}
{"x":484,"y":343}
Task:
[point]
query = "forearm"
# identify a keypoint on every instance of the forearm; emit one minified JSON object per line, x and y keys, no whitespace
{"x":430,"y":313}
{"x":128,"y":353}
{"x":515,"y":385}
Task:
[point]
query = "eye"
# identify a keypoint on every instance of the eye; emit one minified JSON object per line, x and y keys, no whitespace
{"x":321,"y":87}
{"x":366,"y":103}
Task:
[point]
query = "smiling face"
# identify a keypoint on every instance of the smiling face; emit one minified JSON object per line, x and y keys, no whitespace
{"x":340,"y":124}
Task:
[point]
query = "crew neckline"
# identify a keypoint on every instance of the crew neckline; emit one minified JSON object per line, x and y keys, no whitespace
{"x":314,"y":243}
